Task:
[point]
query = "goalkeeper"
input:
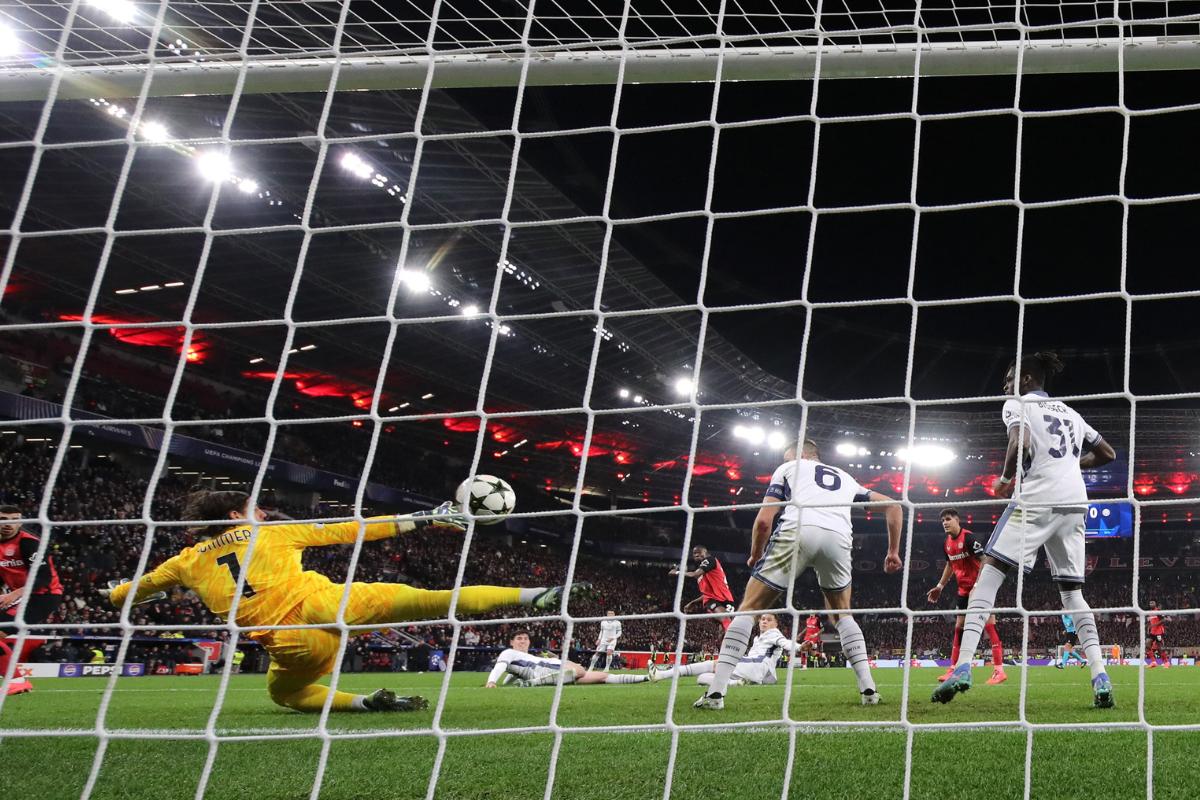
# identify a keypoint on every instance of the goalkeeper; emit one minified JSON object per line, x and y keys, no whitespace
{"x":277,"y":591}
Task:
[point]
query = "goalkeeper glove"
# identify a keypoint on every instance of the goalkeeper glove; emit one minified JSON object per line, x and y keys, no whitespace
{"x":447,"y":515}
{"x":150,"y":598}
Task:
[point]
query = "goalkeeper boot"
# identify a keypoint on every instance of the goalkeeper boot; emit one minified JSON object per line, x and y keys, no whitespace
{"x":711,"y":702}
{"x":387,"y":700}
{"x":551,"y":599}
{"x":447,"y":515}
{"x":959,"y":681}
{"x":1102,"y":691}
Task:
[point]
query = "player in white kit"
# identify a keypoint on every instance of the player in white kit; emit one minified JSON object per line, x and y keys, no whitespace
{"x":1052,"y":444}
{"x":757,"y":666}
{"x":530,"y":670}
{"x":813,"y":530}
{"x":606,"y":642}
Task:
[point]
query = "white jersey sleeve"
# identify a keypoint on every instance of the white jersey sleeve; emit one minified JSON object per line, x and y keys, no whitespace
{"x":501,"y":667}
{"x":1010,"y":415}
{"x":1057,"y":436}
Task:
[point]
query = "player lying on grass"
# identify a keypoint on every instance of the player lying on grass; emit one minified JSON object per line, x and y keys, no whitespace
{"x":758,"y":665}
{"x":1053,"y":444}
{"x":277,"y":591}
{"x":813,"y":530}
{"x":523,"y":669}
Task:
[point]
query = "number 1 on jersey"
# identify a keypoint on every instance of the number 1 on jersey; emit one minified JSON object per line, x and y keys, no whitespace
{"x":235,"y":571}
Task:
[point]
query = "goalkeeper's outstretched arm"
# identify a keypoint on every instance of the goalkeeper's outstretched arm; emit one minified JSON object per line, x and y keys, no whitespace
{"x":165,"y":577}
{"x":374,"y":528}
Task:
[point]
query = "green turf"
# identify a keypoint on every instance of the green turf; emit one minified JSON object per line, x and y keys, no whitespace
{"x":393,"y":756}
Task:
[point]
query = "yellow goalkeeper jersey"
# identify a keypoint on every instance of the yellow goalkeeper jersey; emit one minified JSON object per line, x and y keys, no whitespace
{"x":275,"y":581}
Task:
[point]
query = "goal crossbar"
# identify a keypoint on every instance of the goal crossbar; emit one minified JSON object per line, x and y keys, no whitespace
{"x":567,"y":68}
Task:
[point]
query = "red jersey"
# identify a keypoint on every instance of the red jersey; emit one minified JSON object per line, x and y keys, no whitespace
{"x":16,"y":556}
{"x":812,"y":629}
{"x":964,"y":553}
{"x":712,"y":581}
{"x":1156,"y":626}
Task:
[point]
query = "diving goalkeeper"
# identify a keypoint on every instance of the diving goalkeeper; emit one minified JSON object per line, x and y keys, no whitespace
{"x":277,"y":591}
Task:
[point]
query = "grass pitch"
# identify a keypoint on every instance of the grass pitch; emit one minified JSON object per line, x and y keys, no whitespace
{"x":392,"y":756}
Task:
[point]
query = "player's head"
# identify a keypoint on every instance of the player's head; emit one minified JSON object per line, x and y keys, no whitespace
{"x":1154,"y":604}
{"x":219,"y":505}
{"x":1036,"y":371}
{"x":951,"y":520}
{"x":612,"y":613}
{"x":519,"y":640}
{"x":810,"y":451}
{"x":767,"y":621}
{"x":699,"y":552}
{"x":9,"y":527}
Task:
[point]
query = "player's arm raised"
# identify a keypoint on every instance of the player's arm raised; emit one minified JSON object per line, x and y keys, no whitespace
{"x":165,"y":577}
{"x":374,"y":528}
{"x":895,"y":523}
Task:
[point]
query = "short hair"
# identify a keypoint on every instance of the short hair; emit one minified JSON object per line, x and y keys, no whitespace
{"x":519,"y":632}
{"x":700,"y":547}
{"x":9,"y":509}
{"x":206,"y":504}
{"x":949,"y":512}
{"x":1042,"y":365}
{"x":811,"y":445}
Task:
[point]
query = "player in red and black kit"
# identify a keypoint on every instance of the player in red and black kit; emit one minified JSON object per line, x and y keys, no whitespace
{"x":963,"y":553}
{"x":714,"y":589}
{"x":1154,"y":640}
{"x":18,"y":555}
{"x":812,"y":639}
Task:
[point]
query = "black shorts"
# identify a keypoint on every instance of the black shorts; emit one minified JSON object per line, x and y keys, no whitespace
{"x":38,"y":609}
{"x":1070,"y":638}
{"x":719,"y":607}
{"x":962,"y":601}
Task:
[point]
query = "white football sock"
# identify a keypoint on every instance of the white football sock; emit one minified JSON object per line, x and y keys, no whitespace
{"x":695,"y":668}
{"x":1085,"y":628}
{"x":983,"y":598}
{"x":733,"y":647}
{"x":854,"y":647}
{"x":527,"y":596}
{"x":626,"y":679}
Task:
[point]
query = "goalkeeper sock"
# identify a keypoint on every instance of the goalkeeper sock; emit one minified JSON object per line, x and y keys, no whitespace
{"x":983,"y":598}
{"x":1085,"y":628}
{"x":854,"y":647}
{"x":626,"y":679}
{"x":997,"y":648}
{"x":733,"y":647}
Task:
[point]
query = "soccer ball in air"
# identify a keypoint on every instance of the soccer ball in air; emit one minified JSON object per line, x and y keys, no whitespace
{"x":488,"y":498}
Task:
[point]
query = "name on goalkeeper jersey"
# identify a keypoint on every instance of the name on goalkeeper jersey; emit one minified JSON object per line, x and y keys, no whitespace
{"x":222,"y":539}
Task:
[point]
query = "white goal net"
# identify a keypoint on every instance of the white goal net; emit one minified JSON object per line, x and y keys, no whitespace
{"x":343,"y":255}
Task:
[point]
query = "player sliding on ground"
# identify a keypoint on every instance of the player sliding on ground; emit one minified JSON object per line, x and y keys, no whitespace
{"x":758,"y":666}
{"x":963,"y":552}
{"x":813,"y":530}
{"x":1053,"y":444}
{"x":277,"y":591}
{"x":516,"y":663}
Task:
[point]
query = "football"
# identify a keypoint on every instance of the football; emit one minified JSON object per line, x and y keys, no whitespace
{"x":488,"y":498}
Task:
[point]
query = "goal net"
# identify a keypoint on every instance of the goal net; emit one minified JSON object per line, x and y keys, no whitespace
{"x":340,"y":256}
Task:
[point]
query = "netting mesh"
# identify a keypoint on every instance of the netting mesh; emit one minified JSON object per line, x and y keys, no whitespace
{"x":483,"y":190}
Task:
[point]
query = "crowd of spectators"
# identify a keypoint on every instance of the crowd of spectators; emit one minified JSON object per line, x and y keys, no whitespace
{"x":87,"y":556}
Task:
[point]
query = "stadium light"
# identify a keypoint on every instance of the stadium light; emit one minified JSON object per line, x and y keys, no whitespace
{"x":623,"y":394}
{"x":353,"y":163}
{"x":426,"y":396}
{"x":214,"y":165}
{"x":683,"y":386}
{"x":415,"y":280}
{"x":10,"y":43}
{"x":927,"y":455}
{"x":247,"y":186}
{"x":120,"y":10}
{"x":469,"y":310}
{"x":155,"y":132}
{"x":776,"y":440}
{"x":846,"y":449}
{"x":637,"y":398}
